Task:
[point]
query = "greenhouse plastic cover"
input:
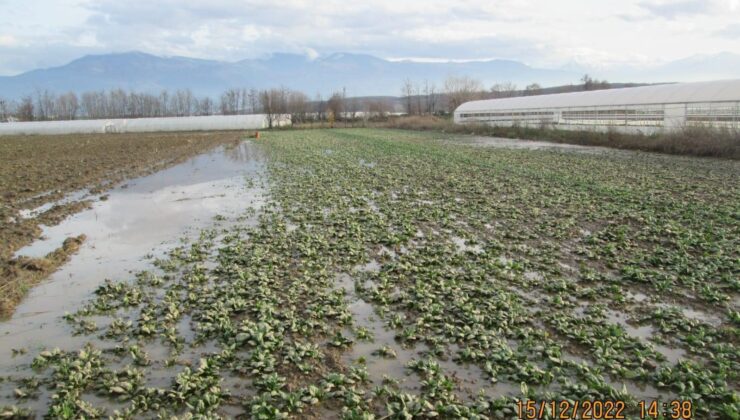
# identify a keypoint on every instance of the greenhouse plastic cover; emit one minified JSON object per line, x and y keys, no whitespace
{"x":723,"y":90}
{"x":138,"y":125}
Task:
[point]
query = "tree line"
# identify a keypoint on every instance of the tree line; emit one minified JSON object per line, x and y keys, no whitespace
{"x":417,"y":98}
{"x":45,"y":105}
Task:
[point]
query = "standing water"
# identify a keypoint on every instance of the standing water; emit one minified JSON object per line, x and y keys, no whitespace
{"x":147,"y":216}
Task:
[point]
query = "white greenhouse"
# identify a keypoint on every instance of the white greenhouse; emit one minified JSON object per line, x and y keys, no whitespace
{"x":140,"y":125}
{"x":638,"y":109}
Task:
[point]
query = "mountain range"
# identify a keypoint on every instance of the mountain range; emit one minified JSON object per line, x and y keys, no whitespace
{"x":361,"y":75}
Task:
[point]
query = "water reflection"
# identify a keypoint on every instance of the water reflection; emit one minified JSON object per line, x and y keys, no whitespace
{"x":145,"y":216}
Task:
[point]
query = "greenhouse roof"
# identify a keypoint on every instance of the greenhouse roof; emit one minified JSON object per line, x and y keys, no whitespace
{"x":723,"y":90}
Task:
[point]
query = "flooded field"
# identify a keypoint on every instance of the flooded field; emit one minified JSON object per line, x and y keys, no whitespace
{"x":387,"y":274}
{"x":137,"y":222}
{"x":44,"y":179}
{"x":132,"y":227}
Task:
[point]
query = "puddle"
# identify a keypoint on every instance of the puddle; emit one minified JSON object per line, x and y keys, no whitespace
{"x":379,"y":367}
{"x":144,"y":218}
{"x":672,"y":354}
{"x":644,"y":333}
{"x":567,"y":268}
{"x":67,"y":199}
{"x":463,"y":247}
{"x":373,"y":207}
{"x":532,"y":145}
{"x":638,"y":297}
{"x":471,"y":380}
{"x":372,"y":267}
{"x":702,"y":316}
{"x":641,"y":391}
{"x":367,"y":164}
{"x":532,"y":296}
{"x":533,"y":275}
{"x":384,"y":250}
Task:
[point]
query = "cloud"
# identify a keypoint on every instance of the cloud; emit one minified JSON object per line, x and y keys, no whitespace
{"x":674,"y":9}
{"x":9,"y":41}
{"x":535,"y":32}
{"x":231,"y":29}
{"x":730,"y":32}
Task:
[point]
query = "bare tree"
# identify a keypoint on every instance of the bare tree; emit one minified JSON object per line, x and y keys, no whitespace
{"x":253,"y":100}
{"x":320,"y":107}
{"x":89,"y":101}
{"x":5,"y":109}
{"x":243,"y":101}
{"x":274,"y":104}
{"x":352,"y":108}
{"x":460,"y":90}
{"x":379,"y":108}
{"x":297,"y":106}
{"x":230,"y":101}
{"x":205,"y":106}
{"x":430,"y":93}
{"x":67,"y":106}
{"x":503,"y":90}
{"x":45,"y":105}
{"x":144,"y":105}
{"x":593,"y":84}
{"x":407,"y":90}
{"x":25,"y":110}
{"x":267,"y":106}
{"x":532,"y":89}
{"x":335,"y":105}
{"x":118,"y":106}
{"x":419,"y":100}
{"x":183,"y":103}
{"x":587,"y":82}
{"x":163,"y":103}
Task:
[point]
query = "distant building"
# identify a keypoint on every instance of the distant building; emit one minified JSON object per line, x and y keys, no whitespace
{"x":636,"y":109}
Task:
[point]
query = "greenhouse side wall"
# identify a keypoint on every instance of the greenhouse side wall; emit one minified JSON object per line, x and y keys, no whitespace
{"x":141,"y":125}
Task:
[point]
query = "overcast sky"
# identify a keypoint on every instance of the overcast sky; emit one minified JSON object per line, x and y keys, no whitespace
{"x":549,"y":33}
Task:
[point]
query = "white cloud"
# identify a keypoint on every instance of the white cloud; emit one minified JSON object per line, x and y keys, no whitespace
{"x":312,"y":54}
{"x":731,"y":31}
{"x":672,"y":9}
{"x":9,"y":41}
{"x":602,"y":34}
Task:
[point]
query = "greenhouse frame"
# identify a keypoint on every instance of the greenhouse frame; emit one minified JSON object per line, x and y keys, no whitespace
{"x":645,"y":109}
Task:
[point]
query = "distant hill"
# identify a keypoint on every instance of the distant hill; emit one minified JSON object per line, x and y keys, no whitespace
{"x":696,"y":68}
{"x":362,"y":75}
{"x":699,"y":67}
